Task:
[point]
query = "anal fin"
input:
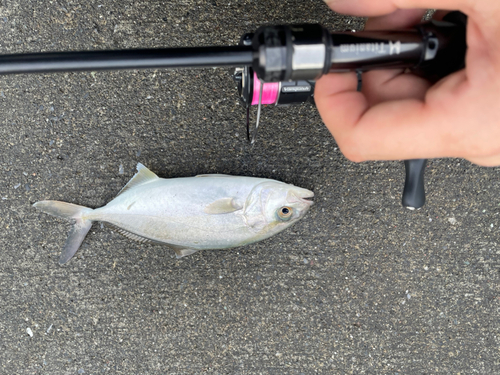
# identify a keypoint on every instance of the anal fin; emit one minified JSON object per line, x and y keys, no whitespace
{"x":130,"y":235}
{"x":133,"y":236}
{"x":180,"y":251}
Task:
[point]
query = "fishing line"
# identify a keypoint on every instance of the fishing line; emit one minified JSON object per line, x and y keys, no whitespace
{"x":263,"y":93}
{"x":261,"y":84}
{"x":270,"y":91}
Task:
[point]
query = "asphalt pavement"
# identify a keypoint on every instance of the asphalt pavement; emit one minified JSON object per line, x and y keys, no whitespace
{"x":359,"y":286}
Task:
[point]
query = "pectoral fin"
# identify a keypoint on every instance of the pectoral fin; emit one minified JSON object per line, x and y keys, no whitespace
{"x":222,"y":206}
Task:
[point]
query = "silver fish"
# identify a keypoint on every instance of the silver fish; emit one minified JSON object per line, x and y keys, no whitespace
{"x":189,"y":214}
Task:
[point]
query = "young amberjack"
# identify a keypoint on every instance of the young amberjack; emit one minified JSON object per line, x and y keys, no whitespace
{"x":189,"y":214}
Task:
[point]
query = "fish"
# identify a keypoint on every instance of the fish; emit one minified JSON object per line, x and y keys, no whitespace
{"x":189,"y":214}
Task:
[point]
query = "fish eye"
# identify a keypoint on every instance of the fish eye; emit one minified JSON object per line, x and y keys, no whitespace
{"x":285,"y":213}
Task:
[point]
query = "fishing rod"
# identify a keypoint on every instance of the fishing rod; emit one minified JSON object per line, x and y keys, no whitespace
{"x":280,"y":64}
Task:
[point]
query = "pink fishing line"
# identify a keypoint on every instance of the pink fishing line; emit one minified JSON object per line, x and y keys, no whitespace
{"x":269,"y":93}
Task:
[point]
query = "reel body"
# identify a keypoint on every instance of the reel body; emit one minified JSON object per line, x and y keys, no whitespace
{"x":273,"y":93}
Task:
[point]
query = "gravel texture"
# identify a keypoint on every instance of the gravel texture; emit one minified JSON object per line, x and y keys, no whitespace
{"x":359,"y":286}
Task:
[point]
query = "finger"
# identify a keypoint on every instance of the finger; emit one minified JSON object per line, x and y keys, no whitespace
{"x":403,"y":129}
{"x":382,"y":86}
{"x":399,"y":19}
{"x":370,"y":8}
{"x":385,"y":85}
{"x":332,"y":93}
{"x":493,"y":161}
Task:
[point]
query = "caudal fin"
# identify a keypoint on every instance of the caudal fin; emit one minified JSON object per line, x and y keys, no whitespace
{"x":71,"y":212}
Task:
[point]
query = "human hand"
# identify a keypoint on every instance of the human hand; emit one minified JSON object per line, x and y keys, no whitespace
{"x":401,"y":116}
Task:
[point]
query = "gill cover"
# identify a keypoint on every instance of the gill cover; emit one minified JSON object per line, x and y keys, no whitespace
{"x":255,"y":205}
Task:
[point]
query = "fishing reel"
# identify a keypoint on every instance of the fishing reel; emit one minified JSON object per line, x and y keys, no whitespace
{"x":279,"y":94}
{"x":278,"y":65}
{"x":288,"y":59}
{"x":253,"y":92}
{"x":273,"y":93}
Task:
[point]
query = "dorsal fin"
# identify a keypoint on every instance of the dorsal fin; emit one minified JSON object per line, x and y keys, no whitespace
{"x":143,"y":176}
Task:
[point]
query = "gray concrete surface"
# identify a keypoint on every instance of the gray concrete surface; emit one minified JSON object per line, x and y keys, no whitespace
{"x":360,"y":286}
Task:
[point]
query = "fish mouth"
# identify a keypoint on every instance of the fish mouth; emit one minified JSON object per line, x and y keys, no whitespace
{"x":303,"y":196}
{"x":308,"y":200}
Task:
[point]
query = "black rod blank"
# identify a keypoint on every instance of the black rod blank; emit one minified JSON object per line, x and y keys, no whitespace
{"x":200,"y":57}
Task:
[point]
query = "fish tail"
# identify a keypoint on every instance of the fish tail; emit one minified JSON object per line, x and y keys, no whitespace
{"x":80,"y":227}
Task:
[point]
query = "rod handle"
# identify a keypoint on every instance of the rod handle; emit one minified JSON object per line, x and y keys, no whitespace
{"x":414,"y":190}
